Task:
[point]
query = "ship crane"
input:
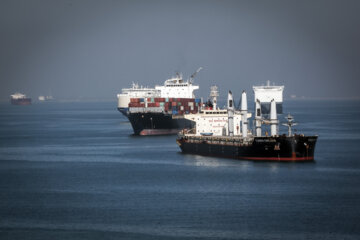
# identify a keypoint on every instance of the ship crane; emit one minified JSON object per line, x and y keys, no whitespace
{"x":258,"y":118}
{"x":290,"y":123}
{"x":194,"y":74}
{"x":273,"y":121}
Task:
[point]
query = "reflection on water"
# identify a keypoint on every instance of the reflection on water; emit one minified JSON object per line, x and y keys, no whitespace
{"x":205,"y":161}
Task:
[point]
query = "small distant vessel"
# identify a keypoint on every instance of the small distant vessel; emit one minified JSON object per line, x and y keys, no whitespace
{"x":45,"y":98}
{"x":19,"y":99}
{"x":231,"y":138}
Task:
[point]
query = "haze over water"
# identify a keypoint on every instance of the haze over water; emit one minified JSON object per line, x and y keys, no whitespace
{"x":91,"y":49}
{"x":74,"y":171}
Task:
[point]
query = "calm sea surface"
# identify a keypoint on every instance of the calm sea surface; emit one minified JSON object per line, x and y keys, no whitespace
{"x":74,"y":171}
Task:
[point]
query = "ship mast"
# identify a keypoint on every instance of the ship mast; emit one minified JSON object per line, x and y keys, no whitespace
{"x":273,"y":119}
{"x":243,"y":110}
{"x":289,"y":123}
{"x":258,"y":118}
{"x":230,"y":108}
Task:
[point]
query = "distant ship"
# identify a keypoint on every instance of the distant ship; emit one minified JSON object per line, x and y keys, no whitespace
{"x":45,"y":98}
{"x":160,"y":110}
{"x":225,"y":133}
{"x":19,"y":99}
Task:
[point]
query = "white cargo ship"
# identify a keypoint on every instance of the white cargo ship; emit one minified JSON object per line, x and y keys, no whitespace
{"x":159,"y":110}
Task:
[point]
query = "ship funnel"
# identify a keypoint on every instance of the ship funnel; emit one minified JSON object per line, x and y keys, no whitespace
{"x":258,"y":117}
{"x":230,"y":108}
{"x":244,"y":122}
{"x":273,"y":118}
{"x":214,"y":93}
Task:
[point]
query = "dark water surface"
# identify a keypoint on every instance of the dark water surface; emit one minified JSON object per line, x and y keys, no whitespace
{"x":74,"y":171}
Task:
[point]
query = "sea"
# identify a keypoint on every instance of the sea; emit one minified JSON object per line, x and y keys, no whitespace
{"x":73,"y":170}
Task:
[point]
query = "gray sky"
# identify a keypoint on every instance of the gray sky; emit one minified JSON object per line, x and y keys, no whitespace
{"x":91,"y":49}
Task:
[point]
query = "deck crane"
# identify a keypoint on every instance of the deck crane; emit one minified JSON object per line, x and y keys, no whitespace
{"x":194,"y":74}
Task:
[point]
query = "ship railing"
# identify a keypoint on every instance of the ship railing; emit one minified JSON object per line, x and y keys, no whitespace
{"x":144,"y":110}
{"x":187,"y":131}
{"x":222,"y":140}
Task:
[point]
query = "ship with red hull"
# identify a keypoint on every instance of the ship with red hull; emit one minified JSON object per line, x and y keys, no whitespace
{"x":19,"y":99}
{"x":225,"y":133}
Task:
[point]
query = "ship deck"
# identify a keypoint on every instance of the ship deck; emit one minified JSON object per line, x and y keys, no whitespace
{"x":222,"y":140}
{"x":233,"y":140}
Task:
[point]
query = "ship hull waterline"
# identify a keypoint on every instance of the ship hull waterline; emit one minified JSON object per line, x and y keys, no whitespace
{"x":289,"y":149}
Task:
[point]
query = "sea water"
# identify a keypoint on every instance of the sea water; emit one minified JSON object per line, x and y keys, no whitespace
{"x":75,"y":171}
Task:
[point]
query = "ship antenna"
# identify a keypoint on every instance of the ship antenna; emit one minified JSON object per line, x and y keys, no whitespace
{"x":194,"y":74}
{"x":290,"y":123}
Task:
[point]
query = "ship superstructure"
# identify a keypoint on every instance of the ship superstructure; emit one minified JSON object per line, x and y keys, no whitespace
{"x":176,"y":87}
{"x":235,"y":140}
{"x":213,"y":121}
{"x":135,"y":91}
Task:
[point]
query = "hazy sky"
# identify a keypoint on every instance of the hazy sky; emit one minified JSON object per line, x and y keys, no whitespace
{"x":91,"y":49}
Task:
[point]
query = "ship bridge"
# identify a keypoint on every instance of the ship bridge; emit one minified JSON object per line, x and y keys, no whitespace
{"x":176,"y":87}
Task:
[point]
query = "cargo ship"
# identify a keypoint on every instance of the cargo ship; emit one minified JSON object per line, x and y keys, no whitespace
{"x":225,"y":133}
{"x":160,"y":110}
{"x":19,"y":99}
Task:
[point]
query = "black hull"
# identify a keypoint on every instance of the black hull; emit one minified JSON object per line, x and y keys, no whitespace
{"x":124,"y":111}
{"x":21,"y":101}
{"x":281,"y":148}
{"x":157,"y":123}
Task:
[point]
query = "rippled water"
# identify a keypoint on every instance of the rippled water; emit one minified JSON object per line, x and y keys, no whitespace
{"x":74,"y":171}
